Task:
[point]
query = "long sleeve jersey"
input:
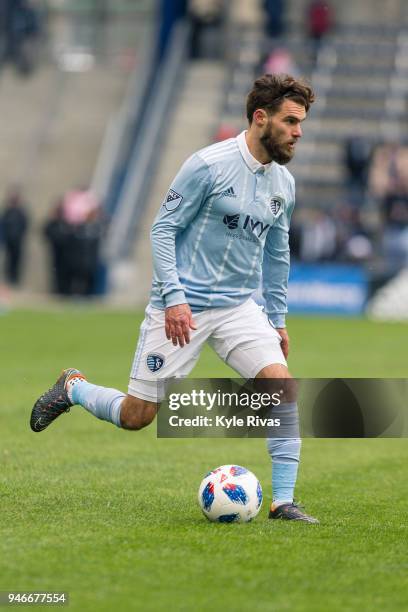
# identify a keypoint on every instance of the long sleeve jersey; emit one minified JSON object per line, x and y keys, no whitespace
{"x":223,"y":226}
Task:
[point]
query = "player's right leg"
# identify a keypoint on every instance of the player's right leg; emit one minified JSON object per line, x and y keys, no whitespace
{"x":107,"y":404}
{"x":156,"y":360}
{"x":53,"y":402}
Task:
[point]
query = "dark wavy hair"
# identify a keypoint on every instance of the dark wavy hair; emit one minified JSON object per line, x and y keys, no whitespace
{"x":270,"y":90}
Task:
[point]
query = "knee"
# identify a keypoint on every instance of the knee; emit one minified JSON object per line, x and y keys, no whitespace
{"x":290,"y":390}
{"x":277,"y":378}
{"x":136,"y":414}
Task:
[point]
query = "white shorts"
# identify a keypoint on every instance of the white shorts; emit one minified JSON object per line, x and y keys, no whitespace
{"x":241,"y":335}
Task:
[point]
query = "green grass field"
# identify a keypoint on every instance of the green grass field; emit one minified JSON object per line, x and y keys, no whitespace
{"x":111,"y":517}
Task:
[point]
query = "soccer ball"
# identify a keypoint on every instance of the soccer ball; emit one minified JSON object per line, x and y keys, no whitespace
{"x":230,"y":494}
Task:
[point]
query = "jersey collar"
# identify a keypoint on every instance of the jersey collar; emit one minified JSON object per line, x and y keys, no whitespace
{"x":253,"y":164}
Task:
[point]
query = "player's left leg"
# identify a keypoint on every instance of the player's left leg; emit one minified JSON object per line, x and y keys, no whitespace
{"x":284,"y":451}
{"x":248,"y":343}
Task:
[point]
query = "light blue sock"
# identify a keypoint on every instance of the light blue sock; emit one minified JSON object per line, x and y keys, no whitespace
{"x":285,"y":455}
{"x":102,"y":402}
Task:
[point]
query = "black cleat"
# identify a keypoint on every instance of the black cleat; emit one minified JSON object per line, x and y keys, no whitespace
{"x":291,"y":512}
{"x":53,"y":402}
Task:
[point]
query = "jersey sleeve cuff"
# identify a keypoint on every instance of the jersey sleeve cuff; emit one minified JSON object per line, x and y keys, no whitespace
{"x":174,"y":298}
{"x":277,"y":320}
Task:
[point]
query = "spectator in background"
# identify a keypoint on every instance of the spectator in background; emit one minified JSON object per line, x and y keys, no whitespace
{"x":354,"y":243}
{"x":20,"y":26}
{"x":330,"y":235}
{"x":57,"y":233}
{"x":318,"y":240}
{"x":77,"y":204}
{"x":85,"y":240}
{"x":74,"y":232}
{"x":319,"y":23}
{"x":295,"y":237}
{"x":357,"y":153}
{"x":101,"y":18}
{"x":207,"y":18}
{"x":280,"y":61}
{"x":275,"y":25}
{"x":14,"y":223}
{"x":388,"y":183}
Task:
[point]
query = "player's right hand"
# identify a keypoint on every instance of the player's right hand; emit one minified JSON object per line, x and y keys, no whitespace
{"x":178,"y":322}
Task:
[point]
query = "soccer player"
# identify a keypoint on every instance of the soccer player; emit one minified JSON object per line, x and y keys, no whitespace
{"x":222,"y":227}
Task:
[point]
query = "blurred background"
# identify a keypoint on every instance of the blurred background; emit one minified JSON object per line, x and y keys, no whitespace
{"x":102,"y":100}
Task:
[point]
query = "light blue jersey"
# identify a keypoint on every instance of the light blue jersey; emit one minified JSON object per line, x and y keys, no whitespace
{"x":222,"y":227}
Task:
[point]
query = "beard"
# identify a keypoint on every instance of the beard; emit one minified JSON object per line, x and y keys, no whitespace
{"x":277,"y":151}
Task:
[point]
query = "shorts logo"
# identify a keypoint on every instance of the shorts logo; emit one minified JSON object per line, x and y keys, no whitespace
{"x":231,"y":221}
{"x":276,"y":204}
{"x":154,"y":362}
{"x":173,"y":200}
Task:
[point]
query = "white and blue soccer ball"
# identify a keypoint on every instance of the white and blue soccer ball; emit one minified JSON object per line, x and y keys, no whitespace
{"x":230,"y":494}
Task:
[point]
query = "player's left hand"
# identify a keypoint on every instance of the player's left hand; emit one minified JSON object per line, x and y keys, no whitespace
{"x":285,"y":341}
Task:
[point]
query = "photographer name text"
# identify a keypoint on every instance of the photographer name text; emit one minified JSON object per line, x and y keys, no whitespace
{"x":224,"y":422}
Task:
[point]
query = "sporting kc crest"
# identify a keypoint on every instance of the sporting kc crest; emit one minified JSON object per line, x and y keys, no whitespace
{"x":276,"y":203}
{"x":154,"y":362}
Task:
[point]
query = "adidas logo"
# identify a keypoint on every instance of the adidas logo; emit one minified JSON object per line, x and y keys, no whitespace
{"x":229,"y":192}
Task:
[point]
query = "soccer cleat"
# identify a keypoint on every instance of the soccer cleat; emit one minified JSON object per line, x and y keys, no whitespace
{"x":53,"y":402}
{"x":291,"y":512}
